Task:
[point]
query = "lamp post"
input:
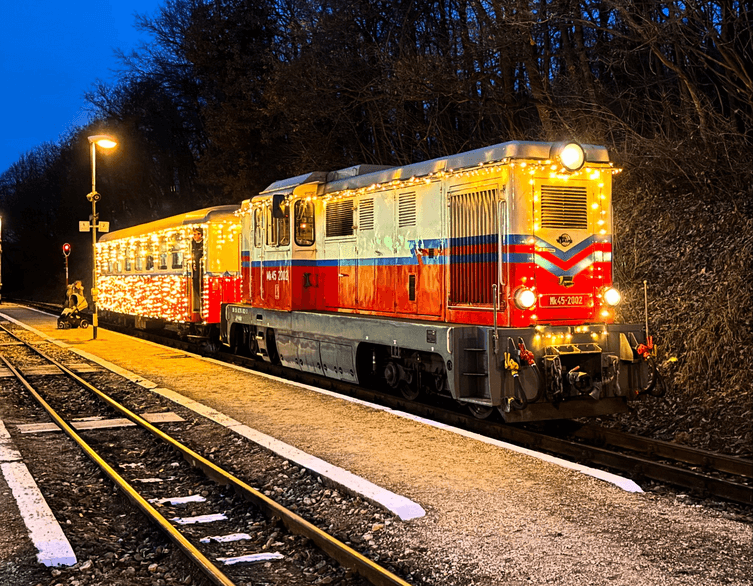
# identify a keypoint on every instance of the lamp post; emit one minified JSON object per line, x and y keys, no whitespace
{"x":106,"y":142}
{"x":1,"y":260}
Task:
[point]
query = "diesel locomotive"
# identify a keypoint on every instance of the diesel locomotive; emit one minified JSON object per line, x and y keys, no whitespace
{"x":484,"y":276}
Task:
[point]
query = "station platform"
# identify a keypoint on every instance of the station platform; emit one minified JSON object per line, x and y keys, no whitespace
{"x":501,"y":514}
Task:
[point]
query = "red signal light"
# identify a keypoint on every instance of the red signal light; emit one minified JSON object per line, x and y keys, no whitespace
{"x":66,"y":249}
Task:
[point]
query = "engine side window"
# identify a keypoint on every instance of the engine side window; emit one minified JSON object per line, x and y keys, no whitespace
{"x":340,"y":218}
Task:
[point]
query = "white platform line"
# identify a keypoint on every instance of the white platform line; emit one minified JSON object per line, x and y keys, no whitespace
{"x":53,"y":548}
{"x":400,"y":505}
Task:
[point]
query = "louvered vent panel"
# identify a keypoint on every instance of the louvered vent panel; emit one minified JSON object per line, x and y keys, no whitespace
{"x":473,"y":243}
{"x":340,"y":218}
{"x":366,"y":214}
{"x":406,"y":210}
{"x":564,"y":207}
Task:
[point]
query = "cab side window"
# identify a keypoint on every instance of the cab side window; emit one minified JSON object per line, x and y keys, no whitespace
{"x":278,"y":229}
{"x":304,"y":222}
{"x":258,"y":228}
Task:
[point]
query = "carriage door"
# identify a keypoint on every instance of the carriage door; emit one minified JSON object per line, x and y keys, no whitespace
{"x":474,"y":245}
{"x":257,"y":257}
{"x":276,"y":261}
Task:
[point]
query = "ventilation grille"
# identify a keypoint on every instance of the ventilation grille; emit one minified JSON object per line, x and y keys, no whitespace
{"x":406,"y":210}
{"x":366,"y":214}
{"x":473,"y":246}
{"x":564,"y":207}
{"x":340,"y":218}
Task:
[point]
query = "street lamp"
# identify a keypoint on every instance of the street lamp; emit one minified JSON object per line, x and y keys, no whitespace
{"x":106,"y":142}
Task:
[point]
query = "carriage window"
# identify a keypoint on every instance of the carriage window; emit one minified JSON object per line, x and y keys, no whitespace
{"x":176,"y":251}
{"x":304,"y":222}
{"x":118,"y":255}
{"x":278,"y":229}
{"x":128,"y":258}
{"x":139,"y":260}
{"x":163,"y":253}
{"x":258,"y":228}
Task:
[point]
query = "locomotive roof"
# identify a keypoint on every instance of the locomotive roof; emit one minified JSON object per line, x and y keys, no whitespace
{"x":195,"y":217}
{"x":364,"y":175}
{"x":468,"y":159}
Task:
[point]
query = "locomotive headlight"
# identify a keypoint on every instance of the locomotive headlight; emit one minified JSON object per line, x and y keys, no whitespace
{"x":572,"y":156}
{"x":612,"y":296}
{"x":524,"y":298}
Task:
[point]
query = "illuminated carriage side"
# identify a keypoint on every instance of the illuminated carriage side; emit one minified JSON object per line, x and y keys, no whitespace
{"x":147,"y":274}
{"x":484,"y":276}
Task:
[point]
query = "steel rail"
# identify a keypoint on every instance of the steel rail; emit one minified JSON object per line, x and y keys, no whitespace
{"x":207,"y":567}
{"x":337,"y":550}
{"x":662,"y":449}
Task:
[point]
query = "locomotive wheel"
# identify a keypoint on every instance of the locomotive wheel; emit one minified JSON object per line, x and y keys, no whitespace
{"x":61,"y":325}
{"x":84,"y":324}
{"x":410,"y":392}
{"x":480,"y":411}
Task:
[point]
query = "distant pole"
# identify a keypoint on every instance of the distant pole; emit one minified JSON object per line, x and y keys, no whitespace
{"x":106,"y":142}
{"x":66,"y":252}
{"x":1,"y":260}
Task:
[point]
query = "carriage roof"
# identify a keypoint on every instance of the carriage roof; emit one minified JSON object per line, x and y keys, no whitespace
{"x":202,"y":216}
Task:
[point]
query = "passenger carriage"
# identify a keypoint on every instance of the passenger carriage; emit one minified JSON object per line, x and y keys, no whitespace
{"x":158,"y":274}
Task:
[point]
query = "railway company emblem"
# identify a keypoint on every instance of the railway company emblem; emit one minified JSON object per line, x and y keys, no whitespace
{"x":565,"y":240}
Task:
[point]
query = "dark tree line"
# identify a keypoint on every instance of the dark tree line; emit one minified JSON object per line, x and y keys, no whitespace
{"x":231,"y":95}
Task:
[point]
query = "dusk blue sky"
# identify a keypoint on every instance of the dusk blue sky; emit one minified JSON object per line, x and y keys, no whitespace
{"x":51,"y":53}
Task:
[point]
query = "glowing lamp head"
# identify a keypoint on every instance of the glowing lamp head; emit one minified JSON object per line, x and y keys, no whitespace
{"x":524,"y":298}
{"x":612,"y":296}
{"x":571,"y":155}
{"x":103,"y":140}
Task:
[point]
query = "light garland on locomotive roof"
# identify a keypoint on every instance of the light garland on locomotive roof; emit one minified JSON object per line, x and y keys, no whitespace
{"x":558,"y":172}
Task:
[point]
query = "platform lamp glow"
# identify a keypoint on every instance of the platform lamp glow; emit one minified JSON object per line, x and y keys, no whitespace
{"x":106,"y":142}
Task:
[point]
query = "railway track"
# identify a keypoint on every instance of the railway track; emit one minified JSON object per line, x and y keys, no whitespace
{"x":145,"y":466}
{"x":704,"y":474}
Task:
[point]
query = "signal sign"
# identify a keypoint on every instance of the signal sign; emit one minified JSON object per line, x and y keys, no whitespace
{"x":66,"y":249}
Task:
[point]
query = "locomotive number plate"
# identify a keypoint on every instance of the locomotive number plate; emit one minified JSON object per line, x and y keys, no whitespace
{"x":564,"y":300}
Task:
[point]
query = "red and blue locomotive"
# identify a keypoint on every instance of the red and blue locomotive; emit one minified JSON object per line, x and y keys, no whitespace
{"x":485,"y":276}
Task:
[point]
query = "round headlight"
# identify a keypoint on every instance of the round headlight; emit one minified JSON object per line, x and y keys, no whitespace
{"x":525,"y":298}
{"x":612,"y":296}
{"x":572,"y":156}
